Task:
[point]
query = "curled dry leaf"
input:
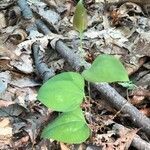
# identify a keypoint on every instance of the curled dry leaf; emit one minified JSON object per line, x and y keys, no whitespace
{"x":128,"y":7}
{"x":18,"y":36}
{"x":144,"y":81}
{"x":121,"y":15}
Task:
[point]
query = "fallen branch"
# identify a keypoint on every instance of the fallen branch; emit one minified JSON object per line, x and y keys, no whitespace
{"x":74,"y":59}
{"x":42,"y":69}
{"x":140,"y":144}
{"x":40,"y":25}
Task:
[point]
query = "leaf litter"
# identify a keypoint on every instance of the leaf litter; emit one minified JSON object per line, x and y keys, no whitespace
{"x":122,"y":30}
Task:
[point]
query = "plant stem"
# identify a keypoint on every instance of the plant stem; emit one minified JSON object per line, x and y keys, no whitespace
{"x":89,"y":90}
{"x":81,"y":39}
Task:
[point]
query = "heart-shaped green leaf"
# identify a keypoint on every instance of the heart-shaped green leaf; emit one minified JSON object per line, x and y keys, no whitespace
{"x":62,"y":94}
{"x":106,"y":68}
{"x":80,"y":17}
{"x":69,"y":127}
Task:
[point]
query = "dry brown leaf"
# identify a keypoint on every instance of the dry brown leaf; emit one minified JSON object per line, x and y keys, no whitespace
{"x":3,"y":20}
{"x":63,"y":146}
{"x":136,"y":100}
{"x":4,"y":53}
{"x":126,"y":137}
{"x":6,"y":132}
{"x":145,"y":111}
{"x":22,"y":141}
{"x":5,"y":103}
{"x":18,"y":36}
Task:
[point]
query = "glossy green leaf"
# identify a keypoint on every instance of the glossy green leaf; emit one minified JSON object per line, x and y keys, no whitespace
{"x":106,"y":68}
{"x":80,"y":17}
{"x":62,"y":94}
{"x":69,"y":127}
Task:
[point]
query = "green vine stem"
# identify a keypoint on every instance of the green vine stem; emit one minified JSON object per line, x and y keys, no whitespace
{"x":81,"y":40}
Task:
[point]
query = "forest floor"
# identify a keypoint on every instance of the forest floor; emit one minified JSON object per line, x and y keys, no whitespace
{"x":38,"y":41}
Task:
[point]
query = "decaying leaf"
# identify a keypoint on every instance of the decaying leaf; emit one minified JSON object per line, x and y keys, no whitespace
{"x":63,"y":146}
{"x":3,"y":20}
{"x":5,"y":78}
{"x":6,"y":133}
{"x":4,"y":53}
{"x":126,"y":137}
{"x":24,"y":64}
{"x":18,"y":36}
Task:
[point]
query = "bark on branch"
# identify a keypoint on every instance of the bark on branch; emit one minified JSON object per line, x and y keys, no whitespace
{"x":26,"y":11}
{"x":41,"y":68}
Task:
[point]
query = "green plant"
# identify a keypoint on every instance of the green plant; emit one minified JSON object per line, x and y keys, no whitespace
{"x":65,"y":93}
{"x":80,"y":20}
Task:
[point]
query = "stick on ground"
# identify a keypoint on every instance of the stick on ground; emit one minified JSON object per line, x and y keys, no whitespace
{"x":25,"y":9}
{"x":42,"y":69}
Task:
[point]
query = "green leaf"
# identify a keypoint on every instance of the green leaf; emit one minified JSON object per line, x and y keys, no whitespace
{"x":63,"y":92}
{"x":69,"y":127}
{"x":129,"y":85}
{"x":106,"y":68}
{"x":74,"y":77}
{"x":80,"y":17}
